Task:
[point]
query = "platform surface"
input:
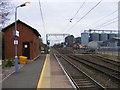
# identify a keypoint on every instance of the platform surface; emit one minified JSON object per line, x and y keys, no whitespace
{"x":45,"y":72}
{"x":27,"y":77}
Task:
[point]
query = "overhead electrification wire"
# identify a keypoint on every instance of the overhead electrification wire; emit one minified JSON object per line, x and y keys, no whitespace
{"x":109,"y":24}
{"x":74,"y":15}
{"x":84,"y":15}
{"x":78,"y":11}
{"x":101,"y":19}
{"x":106,"y":22}
{"x":42,"y":16}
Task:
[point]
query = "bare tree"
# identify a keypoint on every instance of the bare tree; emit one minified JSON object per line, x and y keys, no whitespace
{"x":6,"y":8}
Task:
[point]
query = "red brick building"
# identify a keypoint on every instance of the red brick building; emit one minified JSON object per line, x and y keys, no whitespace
{"x":28,"y":41}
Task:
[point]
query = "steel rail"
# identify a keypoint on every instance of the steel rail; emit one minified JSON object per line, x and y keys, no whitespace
{"x":101,"y":86}
{"x":107,"y":60}
{"x":96,"y":69}
{"x":75,"y":84}
{"x":115,"y":70}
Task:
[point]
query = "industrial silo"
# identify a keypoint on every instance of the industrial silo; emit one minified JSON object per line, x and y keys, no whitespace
{"x":84,"y":38}
{"x":94,"y":36}
{"x":117,"y":35}
{"x":111,"y":35}
{"x":103,"y":37}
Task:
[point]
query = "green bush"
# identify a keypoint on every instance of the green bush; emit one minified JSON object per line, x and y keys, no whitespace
{"x":9,"y":63}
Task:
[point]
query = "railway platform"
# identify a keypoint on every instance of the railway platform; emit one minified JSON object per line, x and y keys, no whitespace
{"x":45,"y":72}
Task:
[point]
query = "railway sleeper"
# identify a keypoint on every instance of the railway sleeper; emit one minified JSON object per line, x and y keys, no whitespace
{"x":81,"y":81}
{"x":85,"y":83}
{"x":86,"y":86}
{"x":78,"y":77}
{"x":112,"y":75}
{"x":90,"y":84}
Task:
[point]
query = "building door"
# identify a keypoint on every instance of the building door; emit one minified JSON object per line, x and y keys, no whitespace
{"x":26,"y":49}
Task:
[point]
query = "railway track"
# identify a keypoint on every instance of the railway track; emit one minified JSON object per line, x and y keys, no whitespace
{"x":116,"y":63}
{"x":106,"y":70}
{"x":79,"y":77}
{"x":100,"y":61}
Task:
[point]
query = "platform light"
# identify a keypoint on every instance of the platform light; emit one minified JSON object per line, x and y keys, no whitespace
{"x":16,"y":34}
{"x":25,"y":4}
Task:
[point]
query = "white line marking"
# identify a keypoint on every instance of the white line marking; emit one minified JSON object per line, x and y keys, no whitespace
{"x":9,"y":75}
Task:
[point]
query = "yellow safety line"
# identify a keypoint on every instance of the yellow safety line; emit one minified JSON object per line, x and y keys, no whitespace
{"x":42,"y":73}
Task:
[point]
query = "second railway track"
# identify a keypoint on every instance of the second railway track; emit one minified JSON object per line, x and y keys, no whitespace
{"x":108,"y":71}
{"x":79,"y":77}
{"x":112,"y":62}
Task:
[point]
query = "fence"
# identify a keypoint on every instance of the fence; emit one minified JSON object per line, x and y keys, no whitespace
{"x":109,"y":51}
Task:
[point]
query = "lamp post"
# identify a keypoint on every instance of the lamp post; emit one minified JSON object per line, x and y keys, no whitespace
{"x":16,"y":34}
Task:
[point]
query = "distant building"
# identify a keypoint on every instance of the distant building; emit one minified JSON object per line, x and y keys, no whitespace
{"x":95,"y":44}
{"x":111,"y":43}
{"x":78,"y":40}
{"x":69,"y":40}
{"x":28,"y":41}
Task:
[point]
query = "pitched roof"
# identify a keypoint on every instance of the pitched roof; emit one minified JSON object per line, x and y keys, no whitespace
{"x":18,"y":21}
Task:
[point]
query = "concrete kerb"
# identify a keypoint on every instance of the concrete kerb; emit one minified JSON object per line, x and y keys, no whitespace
{"x":36,"y":57}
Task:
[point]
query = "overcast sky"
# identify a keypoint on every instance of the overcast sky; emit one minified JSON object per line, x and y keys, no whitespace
{"x":57,"y":13}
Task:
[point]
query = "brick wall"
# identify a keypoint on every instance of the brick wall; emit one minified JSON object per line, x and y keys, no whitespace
{"x":26,"y":35}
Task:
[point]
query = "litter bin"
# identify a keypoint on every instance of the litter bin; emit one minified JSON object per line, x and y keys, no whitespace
{"x":22,"y":60}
